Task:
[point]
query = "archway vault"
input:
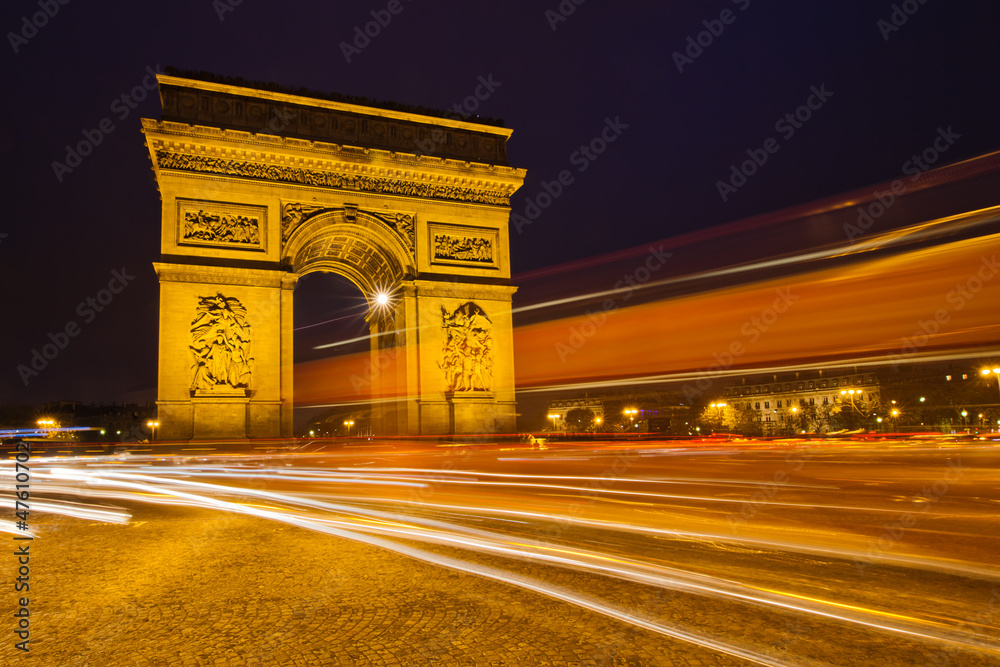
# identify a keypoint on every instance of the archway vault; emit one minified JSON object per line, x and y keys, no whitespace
{"x":364,"y":247}
{"x":249,"y":206}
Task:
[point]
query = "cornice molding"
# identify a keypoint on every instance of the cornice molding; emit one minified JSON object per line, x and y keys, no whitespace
{"x":191,"y":273}
{"x":186,"y":137}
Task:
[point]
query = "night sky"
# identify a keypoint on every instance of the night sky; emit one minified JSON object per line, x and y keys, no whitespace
{"x":888,"y":91}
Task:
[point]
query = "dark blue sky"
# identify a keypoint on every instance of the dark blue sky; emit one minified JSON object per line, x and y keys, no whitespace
{"x":556,"y":90}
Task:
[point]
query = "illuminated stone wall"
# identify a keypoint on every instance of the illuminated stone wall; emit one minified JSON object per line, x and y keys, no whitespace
{"x":244,"y":215}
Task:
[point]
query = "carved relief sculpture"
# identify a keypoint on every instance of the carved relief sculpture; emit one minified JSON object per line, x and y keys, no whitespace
{"x":464,"y":248}
{"x":288,"y":174}
{"x":294,"y":214}
{"x":221,"y":228}
{"x":404,"y":227}
{"x":220,"y":344}
{"x":468,"y":349}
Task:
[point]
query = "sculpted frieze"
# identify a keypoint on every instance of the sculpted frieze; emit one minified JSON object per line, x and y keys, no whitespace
{"x":224,"y":228}
{"x":463,"y":248}
{"x":287,"y":174}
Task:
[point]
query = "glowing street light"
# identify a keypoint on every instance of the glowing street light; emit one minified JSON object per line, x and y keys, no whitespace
{"x":152,"y":427}
{"x":553,"y":418}
{"x":995,"y":371}
{"x":349,"y":423}
{"x":631,"y":412}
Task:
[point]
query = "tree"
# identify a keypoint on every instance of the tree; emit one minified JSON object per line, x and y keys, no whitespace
{"x":579,"y":421}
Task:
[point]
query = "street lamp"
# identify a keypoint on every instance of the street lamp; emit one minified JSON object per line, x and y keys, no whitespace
{"x":349,"y":423}
{"x":631,"y":416}
{"x":995,"y":371}
{"x":152,"y":428}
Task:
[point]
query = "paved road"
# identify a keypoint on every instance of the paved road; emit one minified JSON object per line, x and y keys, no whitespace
{"x":797,"y":553}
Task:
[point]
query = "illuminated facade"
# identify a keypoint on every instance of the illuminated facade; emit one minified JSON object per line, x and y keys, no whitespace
{"x":259,"y":188}
{"x":804,"y":404}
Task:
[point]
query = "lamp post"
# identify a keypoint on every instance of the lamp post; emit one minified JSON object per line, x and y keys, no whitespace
{"x":152,"y":429}
{"x":719,"y":406}
{"x":995,"y":371}
{"x":597,"y":423}
{"x":631,"y":416}
{"x":553,"y":417}
{"x":349,"y":423}
{"x":854,"y":408}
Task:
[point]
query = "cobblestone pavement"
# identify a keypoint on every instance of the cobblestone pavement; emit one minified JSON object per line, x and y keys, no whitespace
{"x":195,"y":587}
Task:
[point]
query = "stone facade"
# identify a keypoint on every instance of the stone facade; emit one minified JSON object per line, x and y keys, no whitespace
{"x":245,"y":214}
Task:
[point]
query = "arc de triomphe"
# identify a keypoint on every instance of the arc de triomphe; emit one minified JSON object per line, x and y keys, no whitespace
{"x":259,"y":188}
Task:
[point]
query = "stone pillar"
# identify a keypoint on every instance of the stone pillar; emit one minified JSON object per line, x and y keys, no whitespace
{"x":222,"y":352}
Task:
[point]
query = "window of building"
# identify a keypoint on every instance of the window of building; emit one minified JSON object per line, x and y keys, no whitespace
{"x":826,"y":400}
{"x":767,"y":405}
{"x":767,"y":418}
{"x":779,"y":404}
{"x":756,"y":406}
{"x":812,"y":401}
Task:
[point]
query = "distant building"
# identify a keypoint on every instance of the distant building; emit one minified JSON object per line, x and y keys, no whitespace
{"x":805,"y":403}
{"x":654,"y":411}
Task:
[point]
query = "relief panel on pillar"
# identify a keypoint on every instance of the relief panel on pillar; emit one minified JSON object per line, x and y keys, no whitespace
{"x":467,"y":357}
{"x":220,"y":348}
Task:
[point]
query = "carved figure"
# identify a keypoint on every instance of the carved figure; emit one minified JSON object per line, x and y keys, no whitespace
{"x":468,"y":349}
{"x":221,"y":228}
{"x":220,"y":344}
{"x":465,"y":248}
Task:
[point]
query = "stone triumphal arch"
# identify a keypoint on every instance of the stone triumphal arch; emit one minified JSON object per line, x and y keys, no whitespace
{"x":261,"y":187}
